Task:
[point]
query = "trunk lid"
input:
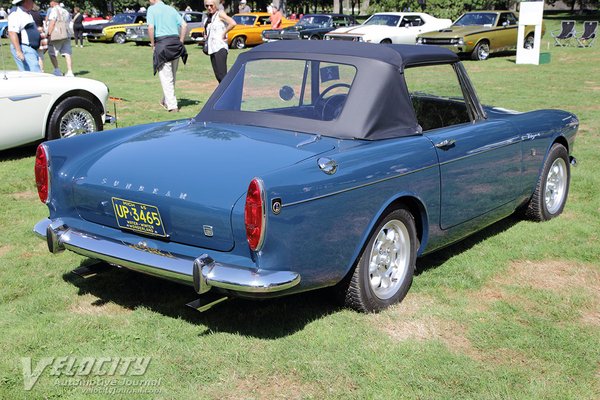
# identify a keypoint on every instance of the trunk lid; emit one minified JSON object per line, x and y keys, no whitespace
{"x":192,"y":174}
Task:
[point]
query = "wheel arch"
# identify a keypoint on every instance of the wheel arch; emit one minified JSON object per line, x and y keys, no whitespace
{"x":414,"y":205}
{"x":72,"y":93}
{"x":235,"y":37}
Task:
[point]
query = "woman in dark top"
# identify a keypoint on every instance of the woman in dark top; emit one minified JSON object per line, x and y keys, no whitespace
{"x":78,"y":26}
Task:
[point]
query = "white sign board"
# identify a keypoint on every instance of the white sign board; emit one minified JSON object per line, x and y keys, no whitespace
{"x":531,"y":14}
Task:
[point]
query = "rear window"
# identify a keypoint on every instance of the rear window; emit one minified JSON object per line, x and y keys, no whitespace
{"x":300,"y":88}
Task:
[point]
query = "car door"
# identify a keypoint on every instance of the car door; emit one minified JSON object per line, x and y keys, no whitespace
{"x":23,"y":108}
{"x":410,"y":26}
{"x":505,"y":36}
{"x":479,"y":160}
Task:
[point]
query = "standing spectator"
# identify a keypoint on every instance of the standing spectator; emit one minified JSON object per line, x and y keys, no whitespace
{"x":244,"y":8}
{"x":3,"y":13}
{"x":276,"y":17}
{"x":78,"y":26}
{"x":166,"y":29}
{"x":39,"y":22}
{"x":188,"y":9}
{"x":216,"y":37}
{"x":58,"y":20}
{"x":24,"y":36}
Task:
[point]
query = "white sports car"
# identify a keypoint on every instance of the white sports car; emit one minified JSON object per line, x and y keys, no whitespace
{"x":37,"y":106}
{"x":390,"y":27}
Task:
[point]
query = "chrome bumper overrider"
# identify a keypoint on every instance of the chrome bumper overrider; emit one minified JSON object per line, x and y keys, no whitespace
{"x":203,"y":272}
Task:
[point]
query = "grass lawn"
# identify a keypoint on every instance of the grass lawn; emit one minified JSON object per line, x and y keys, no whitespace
{"x":510,"y":313}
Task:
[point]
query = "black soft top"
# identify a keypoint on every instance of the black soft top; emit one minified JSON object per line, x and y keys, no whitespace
{"x":378,"y":105}
{"x":399,"y":55}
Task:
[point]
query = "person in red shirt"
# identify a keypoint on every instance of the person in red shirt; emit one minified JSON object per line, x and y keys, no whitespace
{"x":276,"y":17}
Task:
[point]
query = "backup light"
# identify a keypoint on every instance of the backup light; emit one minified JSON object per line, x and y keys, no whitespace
{"x":42,"y":176}
{"x":255,"y":214}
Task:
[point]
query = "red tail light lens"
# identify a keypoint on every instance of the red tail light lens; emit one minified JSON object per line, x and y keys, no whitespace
{"x":254,"y":214}
{"x":42,"y":179}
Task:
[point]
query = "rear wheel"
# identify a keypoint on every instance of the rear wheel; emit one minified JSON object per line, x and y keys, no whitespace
{"x":529,"y":41}
{"x":238,"y":43}
{"x":551,"y":192}
{"x":384,"y":272}
{"x":119,"y":38}
{"x":314,"y":37}
{"x":481,"y":51}
{"x":74,"y":116}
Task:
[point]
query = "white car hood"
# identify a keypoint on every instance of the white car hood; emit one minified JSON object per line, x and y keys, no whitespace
{"x":363,"y":29}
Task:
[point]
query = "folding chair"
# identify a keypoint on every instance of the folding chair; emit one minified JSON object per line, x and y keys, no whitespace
{"x":566,"y":36}
{"x":589,"y":34}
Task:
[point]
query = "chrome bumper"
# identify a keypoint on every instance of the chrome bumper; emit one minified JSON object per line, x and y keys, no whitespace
{"x":202,"y":272}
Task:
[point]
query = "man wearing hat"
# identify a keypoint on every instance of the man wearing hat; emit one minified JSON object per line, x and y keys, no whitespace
{"x":24,"y":36}
{"x":244,"y":8}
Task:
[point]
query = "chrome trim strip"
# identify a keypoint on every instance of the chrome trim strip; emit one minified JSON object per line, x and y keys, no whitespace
{"x":174,"y":267}
{"x":24,"y":97}
{"x":294,"y":203}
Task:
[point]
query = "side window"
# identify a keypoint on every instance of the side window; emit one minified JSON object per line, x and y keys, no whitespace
{"x":264,"y":20}
{"x":436,"y":96}
{"x":512,"y":20}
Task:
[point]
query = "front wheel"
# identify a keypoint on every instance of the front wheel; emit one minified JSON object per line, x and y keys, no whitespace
{"x":238,"y":43}
{"x":551,"y":191}
{"x":74,"y":116}
{"x":481,"y":51}
{"x":119,"y":38}
{"x":314,"y":37}
{"x":384,"y":272}
{"x":386,"y":41}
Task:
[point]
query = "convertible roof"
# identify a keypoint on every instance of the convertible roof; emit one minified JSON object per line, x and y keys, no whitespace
{"x":399,"y":55}
{"x":378,"y":105}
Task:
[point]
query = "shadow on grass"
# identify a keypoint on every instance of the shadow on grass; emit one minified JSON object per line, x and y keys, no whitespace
{"x":188,"y":103}
{"x":264,"y":319}
{"x":18,"y":152}
{"x":438,"y":258}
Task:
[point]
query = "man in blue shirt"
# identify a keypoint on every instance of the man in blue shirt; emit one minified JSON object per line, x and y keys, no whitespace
{"x":166,"y":29}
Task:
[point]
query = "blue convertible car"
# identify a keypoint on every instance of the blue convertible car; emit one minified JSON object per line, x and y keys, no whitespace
{"x":313,"y":164}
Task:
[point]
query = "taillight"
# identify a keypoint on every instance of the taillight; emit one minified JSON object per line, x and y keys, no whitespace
{"x":254,"y":214}
{"x":42,"y":178}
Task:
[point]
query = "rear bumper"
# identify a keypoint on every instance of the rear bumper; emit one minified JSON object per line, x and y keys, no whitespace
{"x":202,"y":272}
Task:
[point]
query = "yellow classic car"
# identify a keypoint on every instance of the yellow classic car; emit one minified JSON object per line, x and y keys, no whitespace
{"x":248,"y":30}
{"x":480,"y":33}
{"x":114,"y":30}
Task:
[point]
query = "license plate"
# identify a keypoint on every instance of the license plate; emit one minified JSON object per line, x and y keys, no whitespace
{"x":138,"y":217}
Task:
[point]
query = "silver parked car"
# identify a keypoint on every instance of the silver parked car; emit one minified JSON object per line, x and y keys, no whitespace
{"x":139,"y":34}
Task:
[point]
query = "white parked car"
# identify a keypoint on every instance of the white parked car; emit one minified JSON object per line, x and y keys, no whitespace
{"x":37,"y":106}
{"x":390,"y":27}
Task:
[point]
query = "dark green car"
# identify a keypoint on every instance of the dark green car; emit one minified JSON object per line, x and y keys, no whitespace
{"x":480,"y":33}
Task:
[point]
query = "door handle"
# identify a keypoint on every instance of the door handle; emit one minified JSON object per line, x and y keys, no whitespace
{"x":445,"y":144}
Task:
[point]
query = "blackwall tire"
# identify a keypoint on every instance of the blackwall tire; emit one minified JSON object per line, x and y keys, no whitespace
{"x":384,"y":272}
{"x":74,"y":116}
{"x":481,"y":51}
{"x":552,"y":189}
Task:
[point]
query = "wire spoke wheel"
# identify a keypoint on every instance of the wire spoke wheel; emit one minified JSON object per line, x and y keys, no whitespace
{"x":77,"y":121}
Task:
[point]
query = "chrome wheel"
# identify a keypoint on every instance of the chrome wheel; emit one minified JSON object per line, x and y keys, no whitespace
{"x":556,"y":184}
{"x":529,"y":42}
{"x":75,"y":122}
{"x":483,"y":51}
{"x":119,"y":38}
{"x":389,"y":259}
